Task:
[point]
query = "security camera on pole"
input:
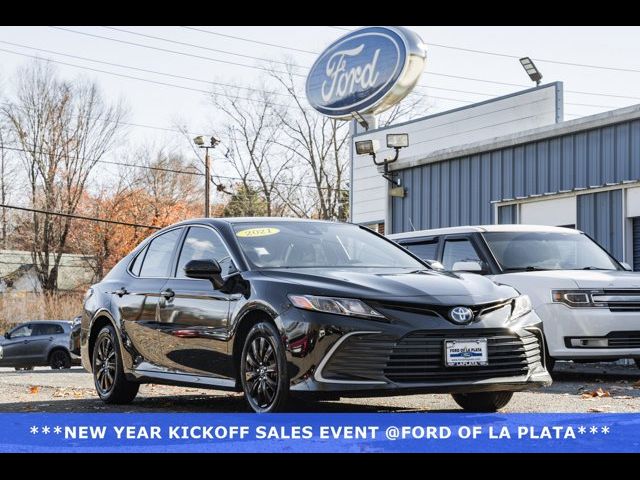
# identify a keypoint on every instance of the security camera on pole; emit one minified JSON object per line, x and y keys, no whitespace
{"x":199,"y":141}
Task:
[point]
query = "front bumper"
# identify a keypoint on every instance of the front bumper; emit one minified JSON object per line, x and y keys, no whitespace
{"x":563,"y":324}
{"x":354,"y":357}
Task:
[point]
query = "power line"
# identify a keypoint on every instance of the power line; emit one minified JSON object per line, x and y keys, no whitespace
{"x":78,"y":217}
{"x":234,"y":37}
{"x":176,"y":52}
{"x":119,"y":65}
{"x":193,"y":45}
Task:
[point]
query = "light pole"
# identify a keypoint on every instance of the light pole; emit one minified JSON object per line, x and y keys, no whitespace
{"x":199,"y":141}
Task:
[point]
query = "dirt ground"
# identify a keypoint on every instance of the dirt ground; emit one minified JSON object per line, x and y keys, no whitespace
{"x":577,"y":388}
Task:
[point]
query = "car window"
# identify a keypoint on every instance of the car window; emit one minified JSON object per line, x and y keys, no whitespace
{"x":46,"y":329}
{"x":23,"y":331}
{"x":425,"y":250}
{"x":136,"y":265}
{"x":203,"y":244}
{"x":157,"y":261}
{"x":461,"y":250}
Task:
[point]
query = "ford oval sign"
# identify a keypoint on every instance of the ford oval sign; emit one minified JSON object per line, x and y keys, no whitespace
{"x":366,"y":71}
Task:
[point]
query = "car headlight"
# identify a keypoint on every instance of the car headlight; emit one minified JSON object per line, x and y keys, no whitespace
{"x":339,"y":306}
{"x":575,"y":298}
{"x":521,"y":306}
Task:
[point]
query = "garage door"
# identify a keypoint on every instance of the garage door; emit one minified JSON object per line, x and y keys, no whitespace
{"x":636,"y":244}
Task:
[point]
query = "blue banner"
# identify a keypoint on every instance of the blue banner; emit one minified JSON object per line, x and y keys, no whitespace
{"x":339,"y":433}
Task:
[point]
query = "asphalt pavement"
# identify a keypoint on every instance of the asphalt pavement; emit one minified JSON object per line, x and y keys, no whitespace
{"x":603,"y":387}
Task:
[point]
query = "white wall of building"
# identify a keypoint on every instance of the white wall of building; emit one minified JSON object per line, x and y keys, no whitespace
{"x":556,"y":212}
{"x":456,"y":128}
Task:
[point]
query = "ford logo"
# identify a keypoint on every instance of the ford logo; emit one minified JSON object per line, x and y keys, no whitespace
{"x":366,"y":71}
{"x":461,"y":315}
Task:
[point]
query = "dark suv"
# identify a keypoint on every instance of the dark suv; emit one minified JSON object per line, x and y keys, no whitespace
{"x":36,"y":343}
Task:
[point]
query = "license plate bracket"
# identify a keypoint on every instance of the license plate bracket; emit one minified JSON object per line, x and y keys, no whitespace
{"x":466,"y":352}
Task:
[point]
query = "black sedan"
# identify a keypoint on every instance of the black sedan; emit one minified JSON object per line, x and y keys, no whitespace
{"x":278,"y":307}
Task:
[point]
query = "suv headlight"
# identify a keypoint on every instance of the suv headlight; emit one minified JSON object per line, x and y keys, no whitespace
{"x":521,"y":306}
{"x":575,"y":298}
{"x":339,"y":306}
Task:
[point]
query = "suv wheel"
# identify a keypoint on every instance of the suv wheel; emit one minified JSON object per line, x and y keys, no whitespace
{"x":263,"y":371}
{"x":59,"y":359}
{"x":108,"y":374}
{"x":482,"y":401}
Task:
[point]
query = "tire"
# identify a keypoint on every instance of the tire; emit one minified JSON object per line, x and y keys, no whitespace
{"x":59,"y":359}
{"x":482,"y":401}
{"x":108,"y":375}
{"x":263,"y":370}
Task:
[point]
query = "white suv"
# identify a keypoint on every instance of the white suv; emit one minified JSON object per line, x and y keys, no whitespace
{"x":588,"y":301}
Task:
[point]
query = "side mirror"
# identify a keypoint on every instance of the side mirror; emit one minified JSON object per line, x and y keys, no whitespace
{"x":626,"y":266}
{"x":7,"y":335}
{"x":472,"y":266}
{"x":205,"y":270}
{"x":436,"y":265}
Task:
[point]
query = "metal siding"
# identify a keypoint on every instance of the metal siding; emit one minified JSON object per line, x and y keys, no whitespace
{"x":460,"y":191}
{"x":600,"y":215}
{"x":636,"y":244}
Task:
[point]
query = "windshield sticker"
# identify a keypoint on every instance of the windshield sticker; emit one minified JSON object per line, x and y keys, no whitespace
{"x":257,"y":232}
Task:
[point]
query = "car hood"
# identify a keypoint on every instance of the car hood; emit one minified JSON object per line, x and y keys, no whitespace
{"x":430,"y":286}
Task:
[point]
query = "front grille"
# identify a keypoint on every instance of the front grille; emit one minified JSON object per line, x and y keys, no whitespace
{"x":419,"y":357}
{"x":443,"y":310}
{"x":624,"y":339}
{"x":619,"y":300}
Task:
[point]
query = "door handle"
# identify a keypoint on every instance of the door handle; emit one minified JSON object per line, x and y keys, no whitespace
{"x":121,"y":291}
{"x":168,"y":294}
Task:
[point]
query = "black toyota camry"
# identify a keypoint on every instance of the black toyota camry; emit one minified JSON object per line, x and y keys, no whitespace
{"x":279,"y":307}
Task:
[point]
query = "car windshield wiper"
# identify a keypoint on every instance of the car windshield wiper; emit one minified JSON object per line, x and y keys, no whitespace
{"x":528,"y":268}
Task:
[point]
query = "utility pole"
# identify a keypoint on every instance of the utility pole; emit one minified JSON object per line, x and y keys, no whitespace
{"x":199,"y":141}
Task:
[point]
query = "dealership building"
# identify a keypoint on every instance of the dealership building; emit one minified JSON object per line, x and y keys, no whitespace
{"x":511,"y":159}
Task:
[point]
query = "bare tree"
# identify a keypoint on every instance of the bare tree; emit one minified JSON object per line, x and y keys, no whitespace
{"x":64,"y":128}
{"x":252,"y":135}
{"x":7,"y":183}
{"x":320,"y":144}
{"x":414,"y":106}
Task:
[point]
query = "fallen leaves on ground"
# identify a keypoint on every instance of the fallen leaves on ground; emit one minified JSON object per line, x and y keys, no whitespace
{"x":65,"y":392}
{"x":623,"y":397}
{"x":598,"y":410}
{"x":34,"y":389}
{"x":596,"y":393}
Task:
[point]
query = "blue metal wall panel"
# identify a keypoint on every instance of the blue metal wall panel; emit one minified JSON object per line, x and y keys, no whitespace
{"x":460,"y":191}
{"x":600,"y":215}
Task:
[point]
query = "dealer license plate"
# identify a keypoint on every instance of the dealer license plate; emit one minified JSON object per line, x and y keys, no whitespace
{"x":465,"y":352}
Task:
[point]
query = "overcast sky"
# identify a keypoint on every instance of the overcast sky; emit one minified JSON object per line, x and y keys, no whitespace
{"x":161,"y":106}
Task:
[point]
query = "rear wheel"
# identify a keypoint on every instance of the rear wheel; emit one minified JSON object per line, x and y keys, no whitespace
{"x":482,"y":401}
{"x":108,"y":374}
{"x":59,"y":359}
{"x":263,"y":371}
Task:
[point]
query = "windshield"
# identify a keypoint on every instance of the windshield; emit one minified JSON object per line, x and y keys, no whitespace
{"x":547,"y":251}
{"x":318,"y":245}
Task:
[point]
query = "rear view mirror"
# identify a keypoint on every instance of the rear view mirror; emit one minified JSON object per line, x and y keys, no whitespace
{"x":205,"y":270}
{"x":472,"y":266}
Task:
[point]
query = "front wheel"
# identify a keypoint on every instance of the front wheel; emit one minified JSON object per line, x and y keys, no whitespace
{"x":263,"y":371}
{"x":482,"y":401}
{"x":108,"y":374}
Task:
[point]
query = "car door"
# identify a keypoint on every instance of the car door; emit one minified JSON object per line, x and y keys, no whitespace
{"x":193,"y":312}
{"x":15,"y":348}
{"x":137,"y":296}
{"x":42,"y":336}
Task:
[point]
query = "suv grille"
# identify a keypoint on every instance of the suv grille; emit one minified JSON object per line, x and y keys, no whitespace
{"x":619,"y":300}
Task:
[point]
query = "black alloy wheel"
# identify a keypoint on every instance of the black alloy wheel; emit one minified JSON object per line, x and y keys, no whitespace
{"x":263,"y":369}
{"x":108,"y":374}
{"x":59,"y":360}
